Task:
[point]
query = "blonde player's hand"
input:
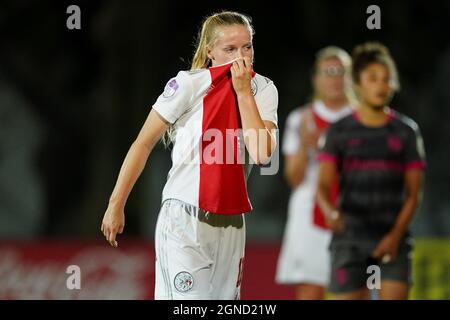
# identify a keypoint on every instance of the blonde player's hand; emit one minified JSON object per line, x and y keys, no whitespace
{"x":113,"y":224}
{"x":241,"y":72}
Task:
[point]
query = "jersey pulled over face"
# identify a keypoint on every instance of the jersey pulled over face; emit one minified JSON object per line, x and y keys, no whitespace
{"x":232,"y":42}
{"x":209,"y":170}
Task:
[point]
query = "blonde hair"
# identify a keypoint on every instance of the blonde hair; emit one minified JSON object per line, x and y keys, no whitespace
{"x":333,"y":52}
{"x":208,"y":34}
{"x":206,"y":39}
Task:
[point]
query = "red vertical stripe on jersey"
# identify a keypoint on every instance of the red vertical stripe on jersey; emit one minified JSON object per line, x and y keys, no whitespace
{"x":223,"y":187}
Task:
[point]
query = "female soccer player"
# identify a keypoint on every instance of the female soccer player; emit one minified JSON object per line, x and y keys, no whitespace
{"x":200,"y":233}
{"x":304,"y":257}
{"x":378,"y":156}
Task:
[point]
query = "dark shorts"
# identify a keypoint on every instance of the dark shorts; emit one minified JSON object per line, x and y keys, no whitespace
{"x":350,"y":261}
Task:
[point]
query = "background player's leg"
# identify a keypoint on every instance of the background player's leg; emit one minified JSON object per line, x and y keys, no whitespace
{"x":307,"y":291}
{"x":361,"y":294}
{"x":393,"y":290}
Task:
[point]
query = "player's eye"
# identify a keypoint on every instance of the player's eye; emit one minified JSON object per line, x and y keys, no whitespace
{"x":372,"y":78}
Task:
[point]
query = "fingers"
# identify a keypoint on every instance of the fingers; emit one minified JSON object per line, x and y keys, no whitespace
{"x":242,"y":65}
{"x":238,"y":66}
{"x":104,"y":230}
{"x":248,"y":63}
{"x":110,"y":234}
{"x":339,"y":226}
{"x":378,"y":252}
{"x":233,"y":70}
{"x":112,"y":238}
{"x":386,"y":258}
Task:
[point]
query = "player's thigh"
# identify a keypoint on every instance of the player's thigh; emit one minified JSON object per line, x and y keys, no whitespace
{"x":229,"y":259}
{"x":183,"y":266}
{"x":307,"y":291}
{"x":360,"y":294}
{"x":393,"y":290}
{"x":348,"y":270}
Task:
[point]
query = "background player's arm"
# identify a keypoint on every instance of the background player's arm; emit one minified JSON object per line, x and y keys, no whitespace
{"x":295,"y":167}
{"x":389,"y":244}
{"x":413,"y":182}
{"x":295,"y":164}
{"x":327,"y":175}
{"x":135,"y":160}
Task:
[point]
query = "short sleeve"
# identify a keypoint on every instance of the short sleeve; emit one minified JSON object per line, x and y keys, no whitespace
{"x":328,"y":145}
{"x":176,"y":98}
{"x":291,"y":134}
{"x":267,"y":103}
{"x":414,"y":150}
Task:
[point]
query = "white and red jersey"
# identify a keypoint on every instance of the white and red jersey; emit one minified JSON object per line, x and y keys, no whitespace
{"x":320,"y":117}
{"x":201,"y":105}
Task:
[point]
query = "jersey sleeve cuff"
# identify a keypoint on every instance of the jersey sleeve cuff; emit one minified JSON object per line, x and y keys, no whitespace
{"x":326,"y":157}
{"x":416,"y":164}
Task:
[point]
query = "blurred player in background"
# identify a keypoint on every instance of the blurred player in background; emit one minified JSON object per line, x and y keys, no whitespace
{"x":304,"y":257}
{"x":378,"y":156}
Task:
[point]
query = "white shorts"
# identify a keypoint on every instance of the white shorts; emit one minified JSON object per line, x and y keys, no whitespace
{"x":199,"y":256}
{"x":304,"y":256}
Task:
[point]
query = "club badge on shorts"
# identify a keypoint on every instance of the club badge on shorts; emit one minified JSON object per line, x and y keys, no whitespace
{"x":183,"y":281}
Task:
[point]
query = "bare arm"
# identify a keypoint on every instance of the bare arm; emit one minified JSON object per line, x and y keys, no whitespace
{"x":295,"y":167}
{"x":132,"y":167}
{"x":295,"y":164}
{"x":327,"y":175}
{"x":413,"y":181}
{"x":258,"y":137}
{"x":389,"y":244}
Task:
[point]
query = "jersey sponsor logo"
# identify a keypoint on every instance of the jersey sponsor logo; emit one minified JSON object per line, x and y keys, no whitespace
{"x":394,"y":143}
{"x":183,"y":281}
{"x":171,"y":88}
{"x":354,"y":142}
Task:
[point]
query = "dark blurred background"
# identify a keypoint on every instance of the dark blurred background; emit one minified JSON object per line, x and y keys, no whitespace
{"x":73,"y":101}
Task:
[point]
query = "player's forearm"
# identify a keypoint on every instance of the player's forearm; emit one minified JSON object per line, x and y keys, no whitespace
{"x":323,"y":198}
{"x":295,"y":167}
{"x":405,"y":216}
{"x":259,"y":141}
{"x":131,"y":169}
